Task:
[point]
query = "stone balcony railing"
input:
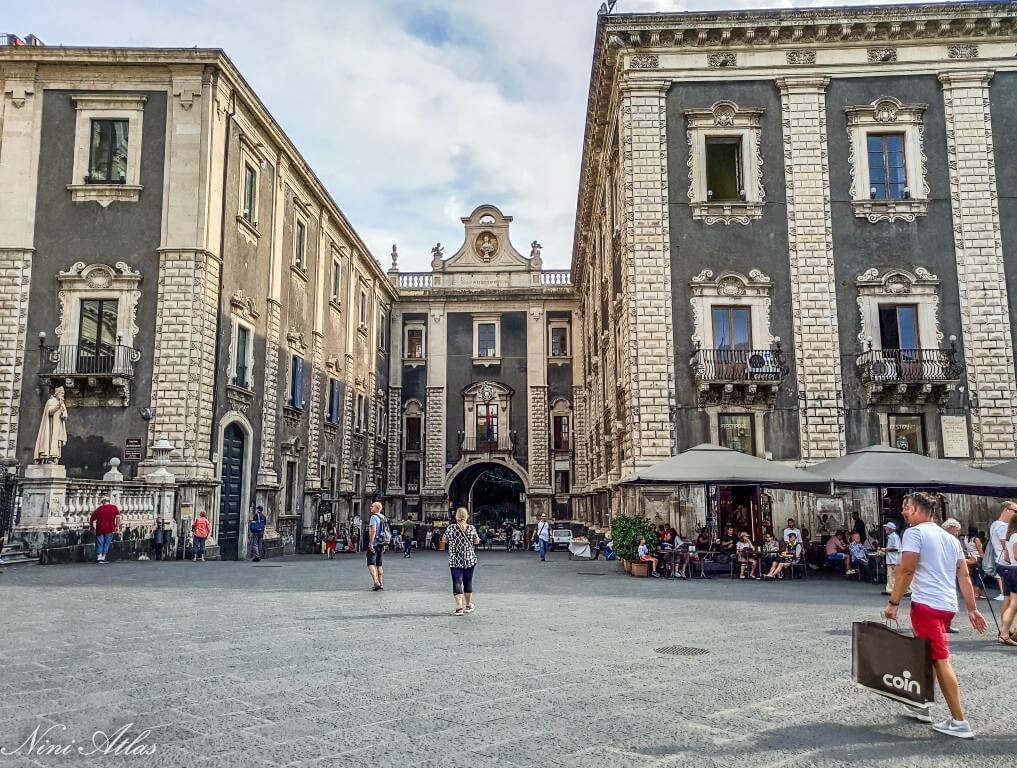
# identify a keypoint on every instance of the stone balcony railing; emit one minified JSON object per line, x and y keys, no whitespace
{"x":553,"y":278}
{"x":137,"y":502}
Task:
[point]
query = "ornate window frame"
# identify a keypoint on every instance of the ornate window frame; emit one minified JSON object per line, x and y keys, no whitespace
{"x":107,"y":106}
{"x":98,"y":281}
{"x":553,"y":325}
{"x":479,"y":320}
{"x":888,"y":114}
{"x":249,"y":156}
{"x":413,"y":409}
{"x":487,"y":392}
{"x":414,"y":325}
{"x":898,"y":286}
{"x":725,"y":119}
{"x":731,"y":289}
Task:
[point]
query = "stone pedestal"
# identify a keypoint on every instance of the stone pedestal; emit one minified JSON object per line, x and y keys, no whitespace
{"x":43,"y":497}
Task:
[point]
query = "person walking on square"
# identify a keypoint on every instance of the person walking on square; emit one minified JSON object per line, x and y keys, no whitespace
{"x":892,"y":552}
{"x":407,"y":543}
{"x":997,"y":535}
{"x":200,"y":529}
{"x":1007,"y":569}
{"x":932,"y":563}
{"x":460,"y":539}
{"x":376,"y":543}
{"x":105,"y":521}
{"x":542,"y":535}
{"x":331,"y":539}
{"x":256,"y":527}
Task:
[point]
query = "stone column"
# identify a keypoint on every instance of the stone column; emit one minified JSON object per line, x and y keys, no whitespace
{"x":813,"y":283}
{"x":433,"y":493}
{"x":647,"y":360}
{"x":981,"y":273}
{"x":20,"y":113}
{"x":395,"y":406}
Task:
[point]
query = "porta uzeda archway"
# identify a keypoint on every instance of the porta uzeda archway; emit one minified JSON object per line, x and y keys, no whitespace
{"x":494,"y":493}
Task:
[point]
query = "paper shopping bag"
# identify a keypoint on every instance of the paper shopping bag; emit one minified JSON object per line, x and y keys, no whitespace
{"x":891,"y":664}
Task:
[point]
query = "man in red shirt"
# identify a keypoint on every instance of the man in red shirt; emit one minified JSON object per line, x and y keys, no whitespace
{"x":105,"y":522}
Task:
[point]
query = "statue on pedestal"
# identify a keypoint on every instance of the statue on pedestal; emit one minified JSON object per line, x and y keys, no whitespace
{"x":49,"y":444}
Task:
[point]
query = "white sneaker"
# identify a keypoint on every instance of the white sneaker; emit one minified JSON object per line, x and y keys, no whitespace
{"x":959,"y":728}
{"x":921,"y":714}
{"x":998,"y":598}
{"x":852,"y":572}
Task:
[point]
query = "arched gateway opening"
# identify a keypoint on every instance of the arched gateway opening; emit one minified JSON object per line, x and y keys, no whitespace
{"x":494,"y":493}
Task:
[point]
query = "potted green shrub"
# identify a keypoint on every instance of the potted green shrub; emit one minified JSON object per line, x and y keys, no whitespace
{"x":626,"y":530}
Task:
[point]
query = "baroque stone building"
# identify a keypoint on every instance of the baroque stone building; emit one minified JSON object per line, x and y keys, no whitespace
{"x":170,"y":260}
{"x":795,"y":237}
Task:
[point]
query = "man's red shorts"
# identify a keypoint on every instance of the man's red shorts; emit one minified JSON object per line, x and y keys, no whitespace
{"x":931,"y":624}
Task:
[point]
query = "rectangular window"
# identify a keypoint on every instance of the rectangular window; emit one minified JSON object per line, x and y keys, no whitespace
{"x":887,"y":169}
{"x":413,"y":433}
{"x":299,"y":242}
{"x":907,"y":433}
{"x":250,"y":192}
{"x":737,"y":433}
{"x":562,"y":482}
{"x":487,"y":426}
{"x":559,"y":341}
{"x":724,"y":168}
{"x":332,"y":414}
{"x":360,"y":421}
{"x":561,"y":433}
{"x":242,"y":363}
{"x":107,"y":158}
{"x":732,"y":328}
{"x":336,"y":279}
{"x":97,"y":336}
{"x":296,"y":382}
{"x":415,"y":343}
{"x":363,"y":308}
{"x":331,"y":481}
{"x":357,"y":478}
{"x":291,"y":487}
{"x":382,"y":330}
{"x":412,"y":477}
{"x":487,"y":337}
{"x":898,"y":326}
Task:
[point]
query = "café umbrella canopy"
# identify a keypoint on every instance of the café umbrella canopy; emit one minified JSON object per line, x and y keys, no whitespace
{"x":881,"y":466}
{"x":708,"y":464}
{"x":1008,"y":469}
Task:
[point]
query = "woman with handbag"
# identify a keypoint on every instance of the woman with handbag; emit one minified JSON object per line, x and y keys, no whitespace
{"x":459,"y":539}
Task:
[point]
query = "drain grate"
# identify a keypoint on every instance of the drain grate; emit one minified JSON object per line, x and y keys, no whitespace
{"x":680,"y":650}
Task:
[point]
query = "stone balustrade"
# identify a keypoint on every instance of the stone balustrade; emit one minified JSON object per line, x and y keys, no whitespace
{"x":137,"y":501}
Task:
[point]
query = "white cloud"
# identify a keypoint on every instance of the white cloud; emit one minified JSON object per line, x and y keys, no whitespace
{"x":412,"y":112}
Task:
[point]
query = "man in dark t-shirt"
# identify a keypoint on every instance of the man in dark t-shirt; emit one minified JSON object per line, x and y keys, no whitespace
{"x":859,"y":527}
{"x":729,"y":540}
{"x":105,"y":521}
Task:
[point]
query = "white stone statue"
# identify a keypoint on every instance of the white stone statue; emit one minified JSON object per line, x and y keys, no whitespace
{"x":52,"y":430}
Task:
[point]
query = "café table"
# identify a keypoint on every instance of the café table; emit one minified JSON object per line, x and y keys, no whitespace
{"x":580,"y":550}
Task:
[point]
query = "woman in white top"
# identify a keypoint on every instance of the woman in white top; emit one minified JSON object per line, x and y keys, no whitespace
{"x":460,"y":538}
{"x":1007,"y":571}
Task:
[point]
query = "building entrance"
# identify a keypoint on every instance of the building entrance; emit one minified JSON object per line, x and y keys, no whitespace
{"x":230,"y":496}
{"x":494,"y":494}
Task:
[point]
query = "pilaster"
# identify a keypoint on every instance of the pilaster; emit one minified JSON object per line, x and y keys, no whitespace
{"x":981,"y":273}
{"x":813,"y":283}
{"x":647,"y":331}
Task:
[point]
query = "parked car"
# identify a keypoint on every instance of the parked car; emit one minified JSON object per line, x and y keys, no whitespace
{"x":560,"y":538}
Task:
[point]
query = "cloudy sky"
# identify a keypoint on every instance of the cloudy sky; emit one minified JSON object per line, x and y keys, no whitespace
{"x":413,"y":112}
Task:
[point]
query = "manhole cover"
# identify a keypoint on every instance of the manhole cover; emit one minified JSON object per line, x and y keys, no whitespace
{"x":680,"y":650}
{"x":588,"y":573}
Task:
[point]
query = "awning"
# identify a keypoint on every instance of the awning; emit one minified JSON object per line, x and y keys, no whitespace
{"x":708,"y":464}
{"x":880,"y":466}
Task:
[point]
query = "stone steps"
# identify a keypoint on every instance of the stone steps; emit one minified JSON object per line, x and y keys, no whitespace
{"x":16,"y":556}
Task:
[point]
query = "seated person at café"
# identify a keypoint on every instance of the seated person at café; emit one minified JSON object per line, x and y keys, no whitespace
{"x":729,"y":541}
{"x":703,"y":540}
{"x":858,"y":557}
{"x":790,"y":553}
{"x":771,"y":550}
{"x":644,"y":556}
{"x":681,"y":555}
{"x":836,"y":550}
{"x":792,"y":527}
{"x":746,"y":556}
{"x":665,"y":550}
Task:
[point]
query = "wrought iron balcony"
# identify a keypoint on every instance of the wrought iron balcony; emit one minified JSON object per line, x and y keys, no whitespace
{"x":740,"y":376}
{"x":909,"y":375}
{"x":90,"y":376}
{"x":499,"y":443}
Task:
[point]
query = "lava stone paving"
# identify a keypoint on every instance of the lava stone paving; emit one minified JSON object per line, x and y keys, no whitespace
{"x":296,"y":662}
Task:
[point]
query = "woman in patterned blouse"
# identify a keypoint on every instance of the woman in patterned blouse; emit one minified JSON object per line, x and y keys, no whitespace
{"x":459,"y":538}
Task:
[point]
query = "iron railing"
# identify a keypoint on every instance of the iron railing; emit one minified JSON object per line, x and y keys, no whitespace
{"x":739,"y":365}
{"x":908,"y":366}
{"x":472,"y":443}
{"x":116,"y":360}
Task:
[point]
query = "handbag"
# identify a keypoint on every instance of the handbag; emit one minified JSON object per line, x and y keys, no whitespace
{"x":891,"y":663}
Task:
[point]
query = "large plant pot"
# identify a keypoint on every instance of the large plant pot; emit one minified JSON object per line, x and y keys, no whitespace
{"x":627,"y":566}
{"x":640,"y":569}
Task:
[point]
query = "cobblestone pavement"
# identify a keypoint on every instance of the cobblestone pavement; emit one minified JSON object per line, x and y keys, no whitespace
{"x":297,"y":662}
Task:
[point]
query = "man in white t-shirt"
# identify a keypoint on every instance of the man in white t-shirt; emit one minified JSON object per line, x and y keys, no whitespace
{"x":542,"y":535}
{"x":997,"y":535}
{"x":892,"y":552}
{"x":792,"y":528}
{"x":932,"y":563}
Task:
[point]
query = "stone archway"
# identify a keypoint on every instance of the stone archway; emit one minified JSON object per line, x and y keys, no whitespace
{"x":493,"y":492}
